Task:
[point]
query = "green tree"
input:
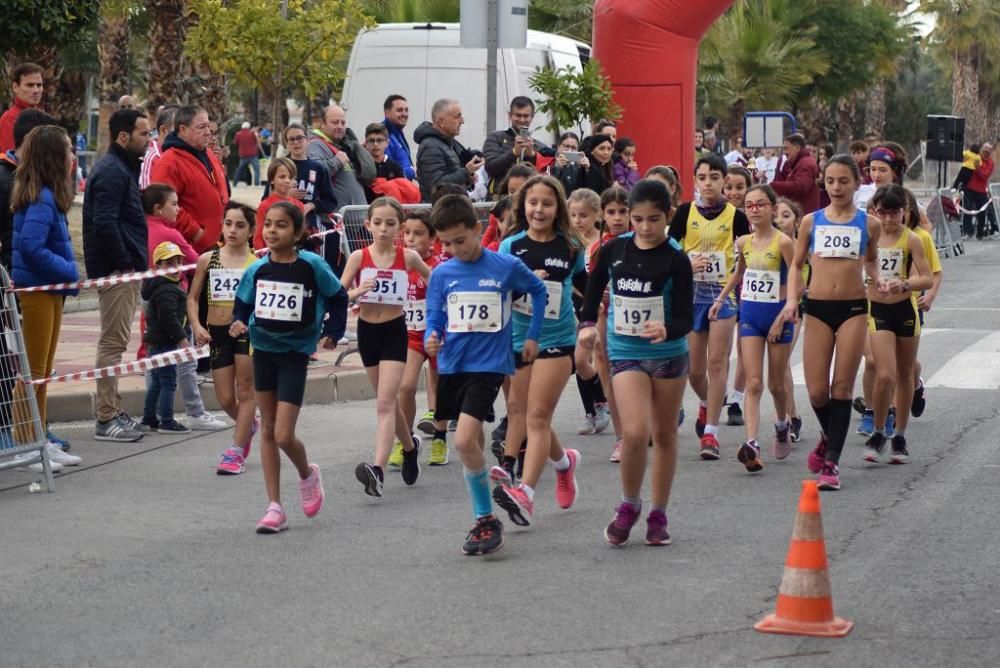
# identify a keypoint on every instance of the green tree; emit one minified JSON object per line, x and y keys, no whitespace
{"x":572,"y":96}
{"x":253,"y":45}
{"x":573,"y":18}
{"x":414,"y":11}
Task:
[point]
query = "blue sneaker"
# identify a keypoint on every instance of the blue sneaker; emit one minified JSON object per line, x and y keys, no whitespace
{"x":6,"y":440}
{"x":867,"y":425}
{"x":61,"y":442}
{"x":890,"y":423}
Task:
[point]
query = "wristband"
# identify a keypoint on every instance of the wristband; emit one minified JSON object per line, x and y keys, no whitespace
{"x":585,"y":324}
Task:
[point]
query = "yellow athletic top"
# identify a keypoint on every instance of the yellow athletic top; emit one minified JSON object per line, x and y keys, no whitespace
{"x":221,"y":283}
{"x":894,"y":261}
{"x":713,"y":237}
{"x":768,"y":259}
{"x":930,"y":252}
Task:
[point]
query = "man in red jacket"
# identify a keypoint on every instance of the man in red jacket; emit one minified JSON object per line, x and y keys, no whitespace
{"x":796,"y":179}
{"x":28,"y":89}
{"x":197,"y":175}
{"x":977,"y":194}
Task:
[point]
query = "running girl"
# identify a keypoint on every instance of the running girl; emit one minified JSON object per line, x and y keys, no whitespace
{"x":787,"y":218}
{"x":544,"y":242}
{"x":216,"y":280}
{"x":379,"y":274}
{"x":650,"y":315}
{"x":894,"y":321}
{"x":282,"y":299}
{"x":837,"y":240}
{"x":762,"y":268}
{"x":735,"y":187}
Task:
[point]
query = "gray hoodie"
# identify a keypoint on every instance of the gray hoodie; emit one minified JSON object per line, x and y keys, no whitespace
{"x":346,"y":178}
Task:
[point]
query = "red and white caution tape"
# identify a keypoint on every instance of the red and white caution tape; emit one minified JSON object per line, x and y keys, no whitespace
{"x":978,"y":211}
{"x":138,"y":366}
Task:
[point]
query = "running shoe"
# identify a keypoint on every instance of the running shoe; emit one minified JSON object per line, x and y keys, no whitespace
{"x":147,"y":426}
{"x":61,"y":442}
{"x":452,"y":425}
{"x":485,"y":537}
{"x":516,"y":502}
{"x":113,"y":430}
{"x":502,"y":476}
{"x":656,"y":528}
{"x":890,"y":423}
{"x":796,"y":434}
{"x":602,"y":417}
{"x":782,"y":444}
{"x":172,"y":426}
{"x":829,"y":476}
{"x":680,"y":418}
{"x":496,"y":447}
{"x":918,"y":404}
{"x":709,"y":447}
{"x":274,"y":520}
{"x":205,"y":422}
{"x":368,"y":476}
{"x":500,"y":432}
{"x":866,"y":427}
{"x":734,"y":416}
{"x":818,"y":455}
{"x":439,"y":452}
{"x":426,"y":424}
{"x":899,"y":454}
{"x":699,"y":424}
{"x":874,"y":447}
{"x":231,"y":462}
{"x":566,"y":487}
{"x":587,"y":426}
{"x":32,"y":461}
{"x":60,"y":456}
{"x":748,"y":455}
{"x":626,"y":515}
{"x":859,"y":405}
{"x":411,"y":463}
{"x":311,"y":491}
{"x":396,"y":456}
{"x":616,"y":452}
{"x":254,"y":428}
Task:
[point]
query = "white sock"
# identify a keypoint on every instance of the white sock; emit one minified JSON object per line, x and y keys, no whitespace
{"x":780,"y":424}
{"x":736,"y":398}
{"x":711,"y":429}
{"x":702,"y":404}
{"x":562,"y":464}
{"x":530,"y":491}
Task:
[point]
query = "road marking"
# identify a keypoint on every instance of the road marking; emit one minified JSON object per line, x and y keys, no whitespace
{"x":975,"y":368}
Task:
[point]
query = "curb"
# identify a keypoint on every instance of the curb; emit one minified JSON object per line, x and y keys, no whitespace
{"x":320,"y":389}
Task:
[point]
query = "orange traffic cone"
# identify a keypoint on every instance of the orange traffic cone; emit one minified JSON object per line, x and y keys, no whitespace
{"x":805,"y":606}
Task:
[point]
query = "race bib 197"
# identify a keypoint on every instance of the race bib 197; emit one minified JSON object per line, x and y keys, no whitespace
{"x":553,"y":301}
{"x":222,"y":283}
{"x":279,"y":301}
{"x":390,"y":286}
{"x":761,"y":285}
{"x":475,"y":312}
{"x":843,"y":241}
{"x":632,"y":313}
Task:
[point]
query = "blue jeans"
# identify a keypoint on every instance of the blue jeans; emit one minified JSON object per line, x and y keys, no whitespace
{"x":254,"y":164}
{"x":160,"y":393}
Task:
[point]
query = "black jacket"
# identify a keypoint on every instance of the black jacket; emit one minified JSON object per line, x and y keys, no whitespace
{"x":438,"y":160}
{"x":7,"y":167}
{"x":114,"y":224}
{"x":166,"y":311}
{"x":499,"y":156}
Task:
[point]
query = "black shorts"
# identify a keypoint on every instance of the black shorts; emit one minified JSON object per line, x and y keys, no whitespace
{"x":835,"y":312}
{"x":469,"y":393}
{"x":547,"y":354}
{"x":382,"y":341}
{"x":224,"y":348}
{"x":901,"y":318}
{"x":284,"y":373}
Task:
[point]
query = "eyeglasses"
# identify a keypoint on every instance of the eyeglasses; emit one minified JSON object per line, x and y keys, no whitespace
{"x":881,"y":213}
{"x":377,"y":140}
{"x":297,"y":138}
{"x":756,"y":206}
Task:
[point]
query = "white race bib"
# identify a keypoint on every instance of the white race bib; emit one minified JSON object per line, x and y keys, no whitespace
{"x":279,"y":301}
{"x":761,"y":285}
{"x":715,"y":272}
{"x":890,"y":262}
{"x":222,"y":284}
{"x":416,"y":315}
{"x":390,"y":286}
{"x":475,"y":312}
{"x":632,"y":313}
{"x":842,"y":241}
{"x":553,"y":301}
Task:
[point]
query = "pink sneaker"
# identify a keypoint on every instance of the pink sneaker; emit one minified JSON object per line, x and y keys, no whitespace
{"x":274,"y":520}
{"x":501,"y":476}
{"x":616,"y":454}
{"x":817,"y":456}
{"x":231,"y":462}
{"x":516,"y":502}
{"x":829,"y":477}
{"x":311,"y":490}
{"x":566,"y":487}
{"x":254,"y":428}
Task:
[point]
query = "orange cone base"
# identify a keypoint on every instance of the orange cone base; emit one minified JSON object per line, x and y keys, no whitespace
{"x":837,"y":628}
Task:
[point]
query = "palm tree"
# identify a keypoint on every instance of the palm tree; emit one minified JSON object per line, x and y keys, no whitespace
{"x":112,"y":51}
{"x":875,"y":104}
{"x":573,"y":18}
{"x":168,"y":26}
{"x":757,"y":56}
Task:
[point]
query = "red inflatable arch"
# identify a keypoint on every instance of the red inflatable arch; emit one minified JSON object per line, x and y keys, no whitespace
{"x":649,"y":50}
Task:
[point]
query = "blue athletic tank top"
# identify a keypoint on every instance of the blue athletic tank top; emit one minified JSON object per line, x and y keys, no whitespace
{"x":840,"y":244}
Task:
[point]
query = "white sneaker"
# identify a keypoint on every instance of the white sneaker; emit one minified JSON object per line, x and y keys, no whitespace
{"x":205,"y":422}
{"x":30,"y":460}
{"x":602,"y":417}
{"x":61,"y":457}
{"x":587,"y":426}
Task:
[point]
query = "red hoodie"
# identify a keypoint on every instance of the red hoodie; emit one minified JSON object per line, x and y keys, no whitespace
{"x":202,"y":195}
{"x":7,"y":123}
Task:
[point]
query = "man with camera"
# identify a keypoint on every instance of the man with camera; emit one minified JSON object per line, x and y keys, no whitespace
{"x":505,"y":148}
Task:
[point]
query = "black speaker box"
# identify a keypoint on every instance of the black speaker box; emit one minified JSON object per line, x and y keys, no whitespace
{"x":945,"y":138}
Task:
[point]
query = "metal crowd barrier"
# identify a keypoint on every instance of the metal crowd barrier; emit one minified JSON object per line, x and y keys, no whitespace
{"x":947,"y":227}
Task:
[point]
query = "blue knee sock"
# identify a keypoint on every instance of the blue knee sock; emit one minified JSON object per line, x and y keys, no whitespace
{"x":479,"y":492}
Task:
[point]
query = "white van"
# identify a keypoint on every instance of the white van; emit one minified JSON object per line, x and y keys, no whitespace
{"x":424,"y":62}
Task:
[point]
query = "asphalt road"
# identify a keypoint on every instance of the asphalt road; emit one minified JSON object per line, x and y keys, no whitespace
{"x":144,"y":557}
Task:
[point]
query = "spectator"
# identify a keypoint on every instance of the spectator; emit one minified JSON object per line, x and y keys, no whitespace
{"x":397,"y":113}
{"x":440,"y":158}
{"x":198,"y":177}
{"x":336,"y":146}
{"x":796,"y":179}
{"x":249,"y":149}
{"x":570,"y":163}
{"x":267,"y":140}
{"x":312,"y":184}
{"x":699,"y":144}
{"x":505,"y":148}
{"x":859,"y":151}
{"x":159,"y":202}
{"x":606,"y":127}
{"x":126,"y":102}
{"x":625,"y":168}
{"x":740,"y":155}
{"x":43,"y":254}
{"x":599,"y":150}
{"x":712,"y":144}
{"x":164,"y":126}
{"x":977,"y":194}
{"x":114,"y":242}
{"x":767,"y":165}
{"x":390,"y":178}
{"x":281,"y":177}
{"x":81,"y":159}
{"x":25,"y":123}
{"x":28,"y":89}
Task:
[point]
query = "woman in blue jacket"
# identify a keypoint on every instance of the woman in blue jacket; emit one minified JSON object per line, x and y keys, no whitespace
{"x":43,"y":254}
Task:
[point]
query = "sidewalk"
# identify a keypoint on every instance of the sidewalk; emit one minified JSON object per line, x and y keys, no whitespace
{"x":77,"y":351}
